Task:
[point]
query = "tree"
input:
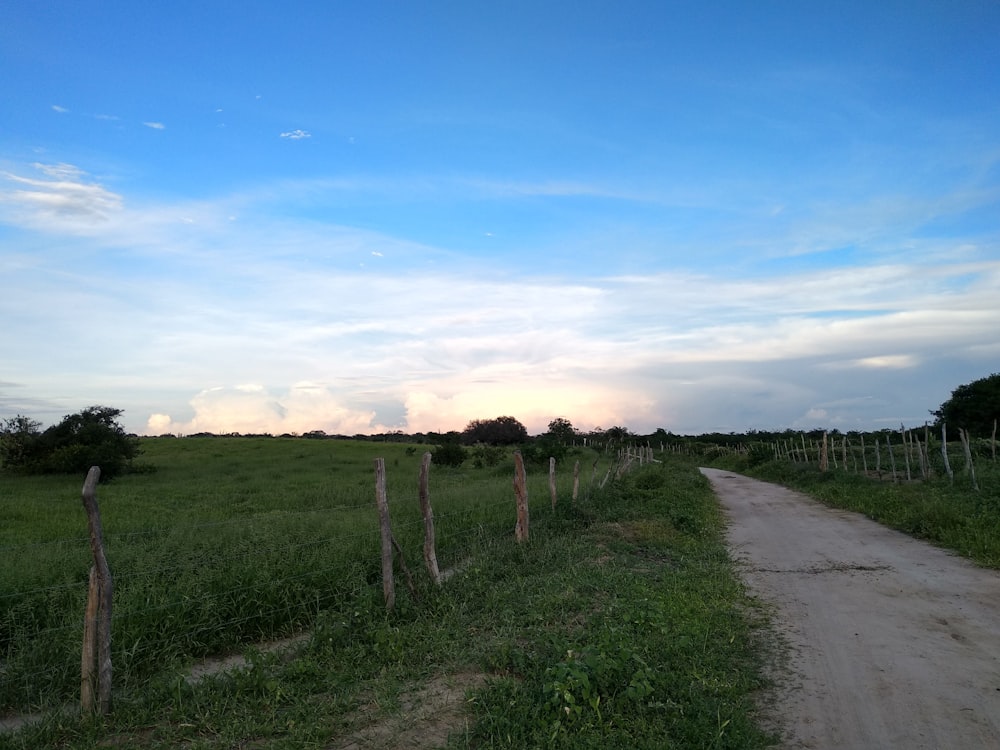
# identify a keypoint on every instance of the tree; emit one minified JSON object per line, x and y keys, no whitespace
{"x":18,"y":442}
{"x":92,"y":437}
{"x":499,"y":431}
{"x":561,"y":430}
{"x":973,"y":407}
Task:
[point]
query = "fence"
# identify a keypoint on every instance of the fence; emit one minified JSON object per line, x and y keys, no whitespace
{"x":903,"y":455}
{"x":192,"y":591}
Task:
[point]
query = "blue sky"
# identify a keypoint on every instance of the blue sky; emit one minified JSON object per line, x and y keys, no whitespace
{"x":361,"y":217}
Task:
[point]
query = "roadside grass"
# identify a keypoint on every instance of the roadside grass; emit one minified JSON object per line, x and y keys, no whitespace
{"x":948,"y":514}
{"x":620,"y":624}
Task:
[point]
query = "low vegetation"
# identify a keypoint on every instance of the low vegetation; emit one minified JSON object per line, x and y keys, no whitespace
{"x":620,"y":624}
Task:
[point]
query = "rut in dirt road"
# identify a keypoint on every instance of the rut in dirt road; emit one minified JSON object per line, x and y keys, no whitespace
{"x":892,"y":643}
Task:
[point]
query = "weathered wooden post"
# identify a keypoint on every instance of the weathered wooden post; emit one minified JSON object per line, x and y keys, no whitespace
{"x":385,"y":527}
{"x":521,"y":497}
{"x":944,"y":453}
{"x":95,"y":673}
{"x":576,"y":480}
{"x":892,"y":457}
{"x":430,"y":555}
{"x":824,"y":456}
{"x":970,"y":470}
{"x":906,"y":451}
{"x":552,"y":481}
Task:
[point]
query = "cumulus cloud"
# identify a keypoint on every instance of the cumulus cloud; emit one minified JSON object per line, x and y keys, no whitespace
{"x":296,"y":135}
{"x":252,"y":408}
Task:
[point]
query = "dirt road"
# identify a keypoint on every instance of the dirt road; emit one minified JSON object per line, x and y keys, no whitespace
{"x":892,"y":643}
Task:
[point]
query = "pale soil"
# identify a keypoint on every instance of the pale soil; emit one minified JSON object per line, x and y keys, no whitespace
{"x":888,"y":642}
{"x":423,"y":719}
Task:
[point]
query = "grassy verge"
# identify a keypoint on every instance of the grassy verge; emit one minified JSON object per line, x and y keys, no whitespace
{"x":948,"y":514}
{"x":620,"y":624}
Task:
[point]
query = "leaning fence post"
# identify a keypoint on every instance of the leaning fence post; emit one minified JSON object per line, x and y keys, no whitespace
{"x":96,"y":658}
{"x":388,"y":584}
{"x":521,"y":496}
{"x":944,"y":453}
{"x":430,"y":555}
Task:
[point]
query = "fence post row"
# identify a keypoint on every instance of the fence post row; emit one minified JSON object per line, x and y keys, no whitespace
{"x":95,"y":662}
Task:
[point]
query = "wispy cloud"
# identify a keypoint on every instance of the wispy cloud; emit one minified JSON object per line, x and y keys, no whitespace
{"x":64,"y":195}
{"x":296,"y":135}
{"x":440,"y":342}
{"x":60,"y":110}
{"x":155,"y":125}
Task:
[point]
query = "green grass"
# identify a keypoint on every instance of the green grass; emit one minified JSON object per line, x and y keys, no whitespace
{"x":948,"y":514}
{"x":620,"y":624}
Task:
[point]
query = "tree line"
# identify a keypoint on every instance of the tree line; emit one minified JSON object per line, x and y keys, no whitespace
{"x":94,"y":436}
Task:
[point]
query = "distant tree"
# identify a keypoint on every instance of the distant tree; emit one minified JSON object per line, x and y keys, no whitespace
{"x":618,"y":434}
{"x":561,"y":430}
{"x":973,"y":406}
{"x":499,"y":431}
{"x":18,"y":442}
{"x":92,"y":437}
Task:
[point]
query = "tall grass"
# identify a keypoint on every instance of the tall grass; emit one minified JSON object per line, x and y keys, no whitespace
{"x":227,"y":542}
{"x":621,"y":624}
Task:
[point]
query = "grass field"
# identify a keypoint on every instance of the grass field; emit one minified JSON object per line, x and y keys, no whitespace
{"x":620,"y":624}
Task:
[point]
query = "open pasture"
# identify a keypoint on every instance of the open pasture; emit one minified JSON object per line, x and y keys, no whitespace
{"x":224,"y":542}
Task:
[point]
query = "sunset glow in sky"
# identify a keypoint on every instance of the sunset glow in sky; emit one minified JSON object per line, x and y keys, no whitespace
{"x":360,"y":217}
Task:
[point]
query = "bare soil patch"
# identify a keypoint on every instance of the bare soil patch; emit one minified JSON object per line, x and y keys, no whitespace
{"x":423,"y":719}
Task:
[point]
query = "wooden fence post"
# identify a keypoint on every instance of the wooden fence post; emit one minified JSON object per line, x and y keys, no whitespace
{"x":521,"y":497}
{"x":824,"y":456}
{"x":430,"y":555}
{"x":385,"y":527}
{"x":552,"y":481}
{"x":96,"y":658}
{"x":906,"y":450}
{"x":892,"y":458}
{"x":576,"y":480}
{"x":864,"y":459}
{"x":970,"y":470}
{"x":944,"y":453}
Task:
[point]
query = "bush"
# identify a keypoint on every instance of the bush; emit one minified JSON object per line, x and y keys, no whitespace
{"x":91,"y":437}
{"x":449,"y":454}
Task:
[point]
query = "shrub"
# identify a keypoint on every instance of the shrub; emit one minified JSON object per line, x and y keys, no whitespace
{"x":449,"y":454}
{"x":88,"y":438}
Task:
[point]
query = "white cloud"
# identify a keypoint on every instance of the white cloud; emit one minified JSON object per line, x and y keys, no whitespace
{"x":60,"y":110}
{"x":296,"y":135}
{"x":252,"y":408}
{"x":65,"y":196}
{"x":155,"y":125}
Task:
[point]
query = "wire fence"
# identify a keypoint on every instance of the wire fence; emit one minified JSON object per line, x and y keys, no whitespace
{"x":190,"y":591}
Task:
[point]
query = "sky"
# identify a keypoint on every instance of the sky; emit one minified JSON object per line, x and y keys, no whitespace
{"x":362,"y":217}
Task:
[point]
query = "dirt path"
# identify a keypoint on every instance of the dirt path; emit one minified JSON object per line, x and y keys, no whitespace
{"x":892,"y":643}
